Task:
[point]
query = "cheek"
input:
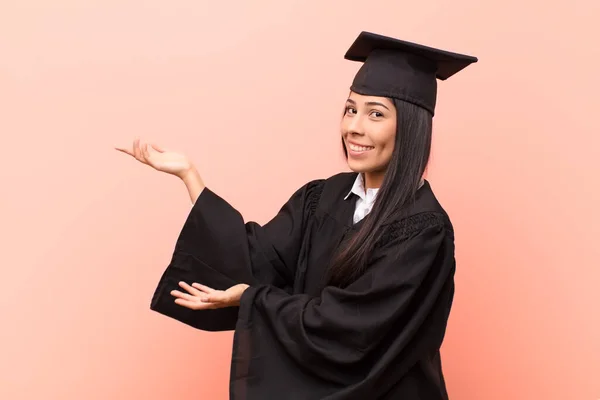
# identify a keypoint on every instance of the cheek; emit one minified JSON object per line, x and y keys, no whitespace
{"x":343,"y":129}
{"x":385,"y":140}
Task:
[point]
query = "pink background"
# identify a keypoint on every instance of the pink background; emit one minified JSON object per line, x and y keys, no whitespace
{"x":253,"y":91}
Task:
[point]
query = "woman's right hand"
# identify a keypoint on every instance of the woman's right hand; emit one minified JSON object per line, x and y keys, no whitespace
{"x":158,"y":158}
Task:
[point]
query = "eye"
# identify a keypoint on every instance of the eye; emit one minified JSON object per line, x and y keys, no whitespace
{"x":377,"y":114}
{"x":350,"y":110}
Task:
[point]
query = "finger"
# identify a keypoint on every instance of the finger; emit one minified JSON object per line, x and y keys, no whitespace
{"x":136,"y":149}
{"x":141,"y":146}
{"x":194,"y":305}
{"x":148,"y":150}
{"x":150,"y":155}
{"x":124,"y":150}
{"x":158,"y":148}
{"x":190,"y":289}
{"x":185,"y":296}
{"x":203,"y":288}
{"x":142,"y":157}
{"x":144,"y":152}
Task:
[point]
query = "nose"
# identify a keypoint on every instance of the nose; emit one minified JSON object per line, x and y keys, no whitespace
{"x":355,"y":126}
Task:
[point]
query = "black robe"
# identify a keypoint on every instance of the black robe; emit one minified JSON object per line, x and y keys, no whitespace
{"x":297,"y":338}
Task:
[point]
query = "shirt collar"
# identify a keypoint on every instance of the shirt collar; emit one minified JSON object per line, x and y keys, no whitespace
{"x":358,"y":188}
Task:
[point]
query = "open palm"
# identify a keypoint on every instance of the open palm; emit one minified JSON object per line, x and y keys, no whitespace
{"x":201,"y":297}
{"x":158,"y":158}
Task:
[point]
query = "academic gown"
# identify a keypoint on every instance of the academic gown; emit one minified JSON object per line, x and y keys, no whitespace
{"x":297,"y":338}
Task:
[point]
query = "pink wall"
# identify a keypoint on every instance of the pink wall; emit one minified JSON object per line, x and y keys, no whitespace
{"x":252,"y":91}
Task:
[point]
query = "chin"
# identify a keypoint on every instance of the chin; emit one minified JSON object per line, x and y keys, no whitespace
{"x":364,"y":167}
{"x":359,"y":167}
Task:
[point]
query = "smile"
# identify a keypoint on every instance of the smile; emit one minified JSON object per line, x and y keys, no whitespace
{"x":359,"y":149}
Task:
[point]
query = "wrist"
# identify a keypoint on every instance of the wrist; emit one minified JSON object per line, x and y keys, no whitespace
{"x":193,"y":182}
{"x":238,"y":298}
{"x":190,"y":175}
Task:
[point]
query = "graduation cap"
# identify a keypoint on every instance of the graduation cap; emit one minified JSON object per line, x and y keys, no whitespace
{"x":402,"y":70}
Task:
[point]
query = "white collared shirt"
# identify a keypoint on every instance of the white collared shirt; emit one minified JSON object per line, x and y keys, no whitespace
{"x":366,"y":198}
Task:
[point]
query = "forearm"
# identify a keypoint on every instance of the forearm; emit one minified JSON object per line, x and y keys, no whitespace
{"x":194,"y":184}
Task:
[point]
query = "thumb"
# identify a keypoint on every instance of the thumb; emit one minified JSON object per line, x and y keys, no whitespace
{"x":158,"y":148}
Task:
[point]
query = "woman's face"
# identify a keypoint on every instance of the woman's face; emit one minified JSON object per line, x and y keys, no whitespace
{"x":369,"y":133}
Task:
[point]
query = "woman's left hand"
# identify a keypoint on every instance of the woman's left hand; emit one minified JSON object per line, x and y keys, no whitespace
{"x":200,"y":297}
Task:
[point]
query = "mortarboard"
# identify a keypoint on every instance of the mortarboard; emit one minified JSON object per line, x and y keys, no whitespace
{"x":402,"y":70}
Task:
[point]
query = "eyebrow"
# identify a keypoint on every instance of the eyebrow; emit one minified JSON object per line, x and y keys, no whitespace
{"x":369,"y":103}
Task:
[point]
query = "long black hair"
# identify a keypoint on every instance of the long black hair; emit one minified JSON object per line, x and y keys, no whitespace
{"x":401,"y":181}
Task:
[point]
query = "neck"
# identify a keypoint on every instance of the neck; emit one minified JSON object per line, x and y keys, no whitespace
{"x":373,"y":180}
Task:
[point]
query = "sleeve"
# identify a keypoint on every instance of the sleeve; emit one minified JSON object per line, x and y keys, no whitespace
{"x":217,"y":248}
{"x":343,"y":332}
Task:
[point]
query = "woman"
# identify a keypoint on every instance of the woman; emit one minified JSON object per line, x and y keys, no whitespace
{"x":346,"y":292}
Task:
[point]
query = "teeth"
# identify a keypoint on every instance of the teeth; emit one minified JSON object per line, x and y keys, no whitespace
{"x":360,"y":148}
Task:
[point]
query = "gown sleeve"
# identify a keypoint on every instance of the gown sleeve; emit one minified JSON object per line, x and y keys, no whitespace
{"x":345,"y":334}
{"x":218,"y":249}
